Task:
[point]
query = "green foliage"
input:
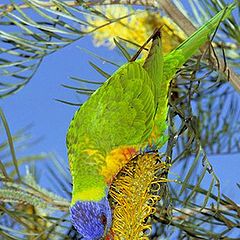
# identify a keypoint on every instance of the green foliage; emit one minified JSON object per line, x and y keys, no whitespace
{"x":32,"y":30}
{"x":198,"y":126}
{"x":27,"y":210}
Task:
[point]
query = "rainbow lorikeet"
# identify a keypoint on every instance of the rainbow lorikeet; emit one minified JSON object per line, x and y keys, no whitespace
{"x":126,"y":114}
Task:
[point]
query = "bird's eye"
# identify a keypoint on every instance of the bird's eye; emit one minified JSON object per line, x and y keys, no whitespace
{"x":103,"y":219}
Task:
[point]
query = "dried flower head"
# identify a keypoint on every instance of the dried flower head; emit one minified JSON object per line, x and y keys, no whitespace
{"x":135,"y":193}
{"x":135,"y":28}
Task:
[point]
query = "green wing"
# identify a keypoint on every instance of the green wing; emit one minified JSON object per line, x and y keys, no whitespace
{"x":120,"y":113}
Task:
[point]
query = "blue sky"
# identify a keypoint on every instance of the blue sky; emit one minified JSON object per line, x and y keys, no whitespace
{"x":35,"y":104}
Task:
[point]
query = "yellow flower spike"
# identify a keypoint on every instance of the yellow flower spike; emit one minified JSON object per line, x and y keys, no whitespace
{"x":134,"y":195}
{"x":136,"y":28}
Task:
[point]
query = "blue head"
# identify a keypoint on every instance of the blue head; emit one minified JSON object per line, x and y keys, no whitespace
{"x":91,"y":219}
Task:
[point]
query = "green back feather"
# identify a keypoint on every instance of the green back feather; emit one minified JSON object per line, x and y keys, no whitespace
{"x":119,"y":113}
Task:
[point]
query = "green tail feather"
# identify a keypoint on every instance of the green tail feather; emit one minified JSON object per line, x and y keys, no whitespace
{"x":176,"y":58}
{"x":198,"y":38}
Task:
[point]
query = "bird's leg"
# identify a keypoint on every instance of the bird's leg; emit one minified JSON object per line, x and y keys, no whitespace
{"x":157,"y":32}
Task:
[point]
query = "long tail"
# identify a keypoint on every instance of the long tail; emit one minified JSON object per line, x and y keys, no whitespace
{"x":198,"y":38}
{"x":174,"y":60}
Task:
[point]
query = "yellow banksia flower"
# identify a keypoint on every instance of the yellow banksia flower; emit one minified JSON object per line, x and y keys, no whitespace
{"x":135,"y":191}
{"x":135,"y":28}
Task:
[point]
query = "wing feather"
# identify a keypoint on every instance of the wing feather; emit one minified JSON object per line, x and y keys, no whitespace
{"x":120,"y":113}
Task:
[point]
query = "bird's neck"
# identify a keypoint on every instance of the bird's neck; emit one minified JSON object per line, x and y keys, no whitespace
{"x":91,"y":180}
{"x":88,"y":184}
{"x":95,"y":194}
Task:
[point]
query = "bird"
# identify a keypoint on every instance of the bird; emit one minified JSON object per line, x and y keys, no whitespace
{"x":126,"y":114}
